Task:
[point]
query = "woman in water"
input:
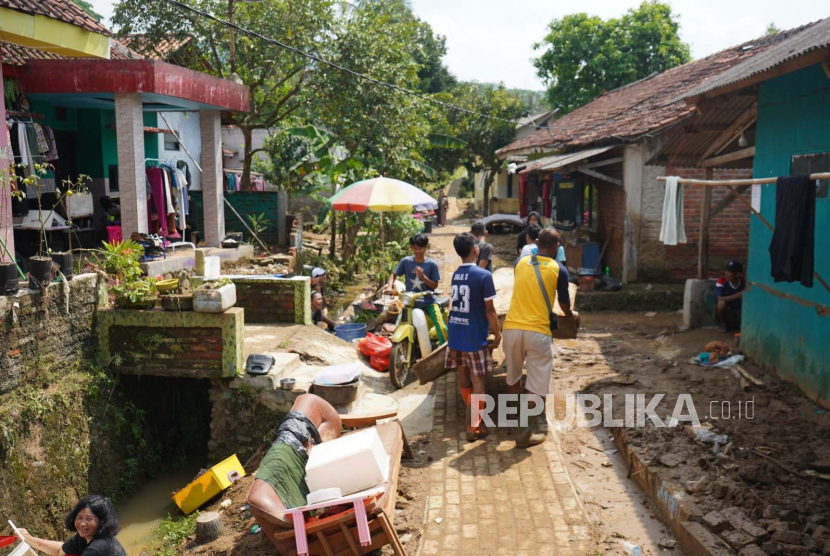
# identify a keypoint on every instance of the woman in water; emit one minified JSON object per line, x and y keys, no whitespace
{"x":95,"y":524}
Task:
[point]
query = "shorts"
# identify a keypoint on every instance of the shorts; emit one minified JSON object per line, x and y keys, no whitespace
{"x":480,"y":363}
{"x":533,"y":350}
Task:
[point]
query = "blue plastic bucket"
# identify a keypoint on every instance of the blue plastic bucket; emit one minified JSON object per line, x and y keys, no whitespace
{"x":349,"y":332}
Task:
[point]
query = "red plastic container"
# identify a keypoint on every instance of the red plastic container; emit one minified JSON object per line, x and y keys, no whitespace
{"x":114,"y":234}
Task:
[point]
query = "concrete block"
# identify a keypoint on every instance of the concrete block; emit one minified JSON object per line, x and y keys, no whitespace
{"x":694,"y":303}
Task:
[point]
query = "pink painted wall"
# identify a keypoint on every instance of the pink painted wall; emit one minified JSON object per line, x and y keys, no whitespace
{"x":6,"y":230}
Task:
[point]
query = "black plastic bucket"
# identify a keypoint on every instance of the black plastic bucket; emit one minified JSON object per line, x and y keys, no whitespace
{"x":40,"y":272}
{"x":65,"y":262}
{"x":428,"y":226}
{"x":9,"y":280}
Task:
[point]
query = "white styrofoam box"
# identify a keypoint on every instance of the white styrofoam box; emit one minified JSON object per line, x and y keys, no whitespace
{"x":351,"y":463}
{"x":211,"y":267}
{"x":338,"y":374}
{"x":214,"y":301}
{"x":79,"y":205}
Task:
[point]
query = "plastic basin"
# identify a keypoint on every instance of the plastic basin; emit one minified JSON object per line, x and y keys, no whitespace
{"x":349,"y":332}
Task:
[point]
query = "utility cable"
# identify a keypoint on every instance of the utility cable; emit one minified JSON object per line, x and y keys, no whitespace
{"x":353,"y":73}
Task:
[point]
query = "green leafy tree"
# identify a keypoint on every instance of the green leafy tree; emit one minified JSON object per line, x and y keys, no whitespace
{"x":385,"y":128}
{"x":87,"y":7}
{"x":281,"y":82}
{"x":286,"y":162}
{"x":584,"y":56}
{"x":479,"y":137}
{"x":772,"y":28}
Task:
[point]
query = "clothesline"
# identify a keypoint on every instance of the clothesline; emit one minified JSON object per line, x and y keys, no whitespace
{"x":738,"y":183}
{"x":732,"y":184}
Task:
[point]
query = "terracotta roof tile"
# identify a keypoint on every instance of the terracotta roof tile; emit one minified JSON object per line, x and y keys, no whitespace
{"x":157,"y":50}
{"x":629,"y":112}
{"x":62,"y":10}
{"x":17,"y":55}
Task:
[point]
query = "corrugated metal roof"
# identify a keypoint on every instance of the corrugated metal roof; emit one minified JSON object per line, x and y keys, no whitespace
{"x":628,"y":113}
{"x":62,"y":10}
{"x":797,"y":42}
{"x":550,"y":163}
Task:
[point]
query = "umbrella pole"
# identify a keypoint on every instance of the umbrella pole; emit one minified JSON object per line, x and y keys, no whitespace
{"x":382,"y":244}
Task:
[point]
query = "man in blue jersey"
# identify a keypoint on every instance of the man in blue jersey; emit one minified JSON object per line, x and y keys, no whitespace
{"x":472,"y":318}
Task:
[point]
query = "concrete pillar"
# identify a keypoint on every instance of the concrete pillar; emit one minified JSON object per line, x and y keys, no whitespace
{"x":212,"y":186}
{"x":132,"y":181}
{"x":6,"y":230}
{"x":694,"y":302}
{"x":633,"y":160}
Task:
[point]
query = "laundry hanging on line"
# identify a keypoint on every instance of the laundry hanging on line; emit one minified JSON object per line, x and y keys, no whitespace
{"x":672,"y":228}
{"x":792,"y":257}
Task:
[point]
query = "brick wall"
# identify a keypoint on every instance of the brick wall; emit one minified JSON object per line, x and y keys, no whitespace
{"x":267,"y":299}
{"x":173,"y":344}
{"x":728,"y":232}
{"x":611,"y":204}
{"x":188,"y":349}
{"x":246,"y":203}
{"x":38,"y":328}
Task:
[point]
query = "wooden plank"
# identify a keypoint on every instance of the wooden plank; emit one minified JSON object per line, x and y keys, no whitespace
{"x":703,"y":243}
{"x":728,"y":200}
{"x":748,"y":152}
{"x":737,"y":127}
{"x":321,"y":538}
{"x":740,"y":182}
{"x":351,"y":421}
{"x":594,"y":173}
{"x":605,"y":162}
{"x":350,"y":539}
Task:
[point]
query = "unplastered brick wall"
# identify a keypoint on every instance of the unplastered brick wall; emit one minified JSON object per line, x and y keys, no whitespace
{"x":267,"y":299}
{"x":173,"y":344}
{"x":39,"y":328}
{"x":728,"y":231}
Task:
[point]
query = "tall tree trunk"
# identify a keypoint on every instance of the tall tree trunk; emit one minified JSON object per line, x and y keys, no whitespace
{"x":247,"y":135}
{"x":488,"y":181}
{"x":333,"y":242}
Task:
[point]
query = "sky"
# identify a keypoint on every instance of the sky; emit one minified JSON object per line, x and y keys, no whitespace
{"x":492,"y":40}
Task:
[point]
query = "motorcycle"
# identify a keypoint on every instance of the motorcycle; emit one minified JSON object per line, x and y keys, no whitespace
{"x":413,"y":338}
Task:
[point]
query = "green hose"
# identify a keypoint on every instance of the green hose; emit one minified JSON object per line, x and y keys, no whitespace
{"x":6,"y":249}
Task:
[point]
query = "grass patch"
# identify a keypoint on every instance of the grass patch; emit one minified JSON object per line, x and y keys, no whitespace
{"x":174,"y":532}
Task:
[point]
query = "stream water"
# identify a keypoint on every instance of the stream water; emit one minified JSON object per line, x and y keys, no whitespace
{"x":141,"y":515}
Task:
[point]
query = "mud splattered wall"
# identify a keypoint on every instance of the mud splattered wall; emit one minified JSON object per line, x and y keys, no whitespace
{"x":35,"y":325}
{"x":793,"y":113}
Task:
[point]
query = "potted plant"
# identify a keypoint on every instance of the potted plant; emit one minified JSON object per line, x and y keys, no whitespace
{"x":136,"y":294}
{"x":40,"y":266}
{"x":10,"y":273}
{"x":71,"y":189}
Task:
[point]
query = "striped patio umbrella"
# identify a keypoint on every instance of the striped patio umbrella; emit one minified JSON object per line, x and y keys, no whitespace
{"x":382,"y":195}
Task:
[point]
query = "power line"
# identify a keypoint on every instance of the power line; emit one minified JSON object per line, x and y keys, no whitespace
{"x":353,"y":73}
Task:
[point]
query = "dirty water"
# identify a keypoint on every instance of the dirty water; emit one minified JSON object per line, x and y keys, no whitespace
{"x":141,"y":515}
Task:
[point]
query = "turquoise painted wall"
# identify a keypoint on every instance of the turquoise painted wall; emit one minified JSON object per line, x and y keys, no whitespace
{"x":793,"y":119}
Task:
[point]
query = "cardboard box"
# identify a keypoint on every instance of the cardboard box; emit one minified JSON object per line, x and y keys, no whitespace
{"x":351,"y":463}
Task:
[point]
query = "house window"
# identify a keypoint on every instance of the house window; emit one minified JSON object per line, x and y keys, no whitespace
{"x":812,"y":164}
{"x":170,"y":143}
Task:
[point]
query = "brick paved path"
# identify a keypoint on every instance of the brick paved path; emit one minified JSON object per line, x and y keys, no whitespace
{"x":492,"y":499}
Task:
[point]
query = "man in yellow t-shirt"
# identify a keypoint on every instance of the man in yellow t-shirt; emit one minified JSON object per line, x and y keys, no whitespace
{"x":527,"y":336}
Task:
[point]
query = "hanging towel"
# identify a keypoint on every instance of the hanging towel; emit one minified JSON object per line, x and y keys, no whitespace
{"x":672,"y":230}
{"x":40,"y":137}
{"x":793,"y":241}
{"x":23,"y":145}
{"x":52,"y":153}
{"x":167,"y":194}
{"x":155,"y":204}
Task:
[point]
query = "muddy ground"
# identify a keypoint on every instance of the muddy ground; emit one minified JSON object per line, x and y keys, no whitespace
{"x":765,"y":481}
